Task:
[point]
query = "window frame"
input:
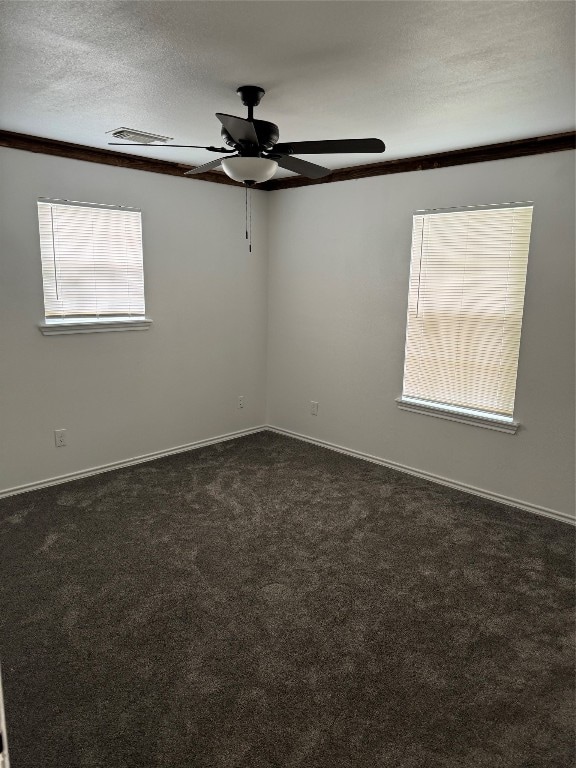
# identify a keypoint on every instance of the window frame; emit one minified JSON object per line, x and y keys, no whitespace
{"x":58,"y":325}
{"x":444,"y":410}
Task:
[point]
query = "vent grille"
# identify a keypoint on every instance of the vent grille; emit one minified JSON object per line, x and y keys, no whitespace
{"x":141,"y":137}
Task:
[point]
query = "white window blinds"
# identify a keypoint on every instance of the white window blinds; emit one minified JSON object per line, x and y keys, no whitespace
{"x":91,"y":260}
{"x":466,"y":297}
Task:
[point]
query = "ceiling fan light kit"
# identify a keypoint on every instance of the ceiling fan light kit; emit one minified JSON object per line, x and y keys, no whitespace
{"x":255,"y":151}
{"x":249,"y":170}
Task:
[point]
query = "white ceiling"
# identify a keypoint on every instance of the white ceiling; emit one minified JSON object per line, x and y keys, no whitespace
{"x":423,"y":76}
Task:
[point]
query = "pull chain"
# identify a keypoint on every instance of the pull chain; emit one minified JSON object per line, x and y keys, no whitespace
{"x":248,"y":213}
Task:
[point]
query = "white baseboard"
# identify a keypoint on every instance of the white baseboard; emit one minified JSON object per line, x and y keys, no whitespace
{"x":560,"y":516}
{"x":128,"y":462}
{"x":4,"y":757}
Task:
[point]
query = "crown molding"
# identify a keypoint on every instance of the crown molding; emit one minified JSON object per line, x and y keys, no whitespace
{"x":106,"y":157}
{"x":537,"y":145}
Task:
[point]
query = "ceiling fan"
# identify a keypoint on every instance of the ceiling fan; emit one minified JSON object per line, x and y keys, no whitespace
{"x":256,"y":152}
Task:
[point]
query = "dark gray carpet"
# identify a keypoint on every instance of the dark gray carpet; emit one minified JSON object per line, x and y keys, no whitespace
{"x":265,"y":603}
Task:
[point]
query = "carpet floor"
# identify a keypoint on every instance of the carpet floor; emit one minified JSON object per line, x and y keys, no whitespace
{"x":266,"y":603}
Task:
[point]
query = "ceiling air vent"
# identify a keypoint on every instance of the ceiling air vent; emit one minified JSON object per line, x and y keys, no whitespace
{"x":141,"y":137}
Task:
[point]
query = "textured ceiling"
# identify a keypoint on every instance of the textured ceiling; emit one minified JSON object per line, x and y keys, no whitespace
{"x":423,"y":76}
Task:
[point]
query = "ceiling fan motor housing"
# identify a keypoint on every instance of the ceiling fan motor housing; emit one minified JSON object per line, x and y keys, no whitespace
{"x":268,"y":135}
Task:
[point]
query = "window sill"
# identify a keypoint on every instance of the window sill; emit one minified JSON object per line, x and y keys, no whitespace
{"x":479,"y":421}
{"x":94,"y":326}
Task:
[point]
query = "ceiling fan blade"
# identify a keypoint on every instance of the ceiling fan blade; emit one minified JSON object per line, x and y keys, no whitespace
{"x":303,"y":167}
{"x":331,"y":145}
{"x":204,"y":168}
{"x":157,"y":146}
{"x":239,"y":128}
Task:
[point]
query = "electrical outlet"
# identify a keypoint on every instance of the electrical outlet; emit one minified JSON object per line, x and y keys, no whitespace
{"x":240,"y":401}
{"x":313,"y":408}
{"x":60,"y":438}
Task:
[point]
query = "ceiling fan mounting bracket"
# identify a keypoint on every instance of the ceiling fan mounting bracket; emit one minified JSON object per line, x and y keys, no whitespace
{"x":250,"y":95}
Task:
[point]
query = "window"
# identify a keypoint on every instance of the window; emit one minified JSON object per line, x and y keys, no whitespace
{"x":465,"y":304}
{"x":91,"y":267}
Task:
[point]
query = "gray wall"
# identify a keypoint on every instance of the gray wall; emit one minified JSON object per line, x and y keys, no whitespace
{"x":328,"y":277}
{"x":123,"y":395}
{"x":338,"y":289}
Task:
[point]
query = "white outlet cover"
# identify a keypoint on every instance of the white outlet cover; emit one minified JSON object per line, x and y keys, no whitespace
{"x":60,"y":438}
